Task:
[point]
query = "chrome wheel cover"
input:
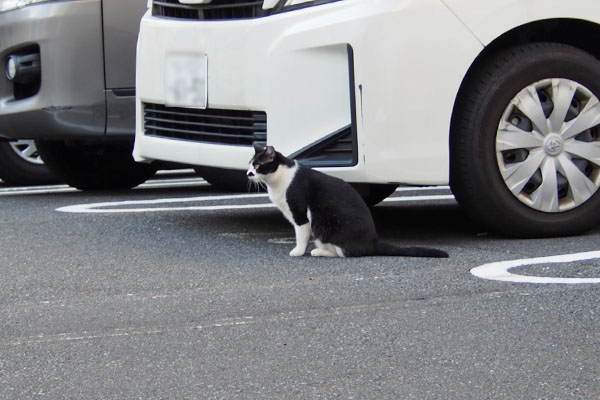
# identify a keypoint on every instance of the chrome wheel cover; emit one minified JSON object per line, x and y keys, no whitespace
{"x":27,"y":151}
{"x":548,"y":145}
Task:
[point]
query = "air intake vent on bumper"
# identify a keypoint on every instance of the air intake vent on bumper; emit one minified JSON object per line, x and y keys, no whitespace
{"x":215,"y":10}
{"x":232,"y":127}
{"x":336,"y":150}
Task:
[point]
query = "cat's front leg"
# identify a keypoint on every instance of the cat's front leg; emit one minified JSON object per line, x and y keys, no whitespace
{"x":302,"y":238}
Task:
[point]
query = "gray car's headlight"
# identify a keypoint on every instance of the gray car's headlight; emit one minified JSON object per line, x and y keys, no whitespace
{"x":7,"y":5}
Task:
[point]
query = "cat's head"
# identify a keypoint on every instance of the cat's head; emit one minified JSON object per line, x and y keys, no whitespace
{"x":264,"y":163}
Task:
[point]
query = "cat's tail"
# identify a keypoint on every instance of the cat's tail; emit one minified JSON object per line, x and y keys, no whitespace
{"x":386,"y":249}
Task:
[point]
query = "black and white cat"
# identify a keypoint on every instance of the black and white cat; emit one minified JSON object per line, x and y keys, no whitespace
{"x":328,"y":207}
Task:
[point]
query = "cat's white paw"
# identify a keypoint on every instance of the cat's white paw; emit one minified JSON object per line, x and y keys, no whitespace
{"x":320,"y":252}
{"x":297,"y":252}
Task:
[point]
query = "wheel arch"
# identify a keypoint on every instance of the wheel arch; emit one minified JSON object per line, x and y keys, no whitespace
{"x":574,"y":32}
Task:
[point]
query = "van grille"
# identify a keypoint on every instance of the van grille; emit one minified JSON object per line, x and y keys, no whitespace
{"x":215,"y":10}
{"x":232,"y":127}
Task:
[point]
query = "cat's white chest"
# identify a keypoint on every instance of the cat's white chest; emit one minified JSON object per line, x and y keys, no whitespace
{"x":277,"y":190}
{"x":278,"y":197}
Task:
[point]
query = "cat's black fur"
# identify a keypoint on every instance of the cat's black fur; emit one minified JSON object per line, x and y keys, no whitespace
{"x":339,"y":218}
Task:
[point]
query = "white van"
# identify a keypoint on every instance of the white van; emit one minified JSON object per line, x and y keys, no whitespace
{"x":498,"y":98}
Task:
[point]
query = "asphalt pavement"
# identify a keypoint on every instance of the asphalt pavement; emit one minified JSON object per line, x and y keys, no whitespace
{"x":175,"y":290}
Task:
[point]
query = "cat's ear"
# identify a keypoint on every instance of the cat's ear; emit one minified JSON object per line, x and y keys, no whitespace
{"x":258,"y":148}
{"x":270,"y":153}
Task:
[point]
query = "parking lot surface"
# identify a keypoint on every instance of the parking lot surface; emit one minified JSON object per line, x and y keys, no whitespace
{"x":177,"y":291}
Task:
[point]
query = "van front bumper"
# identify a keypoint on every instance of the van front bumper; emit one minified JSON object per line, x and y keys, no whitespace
{"x":354,"y":87}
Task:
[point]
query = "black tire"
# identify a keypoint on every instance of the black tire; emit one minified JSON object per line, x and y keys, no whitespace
{"x":20,"y":170}
{"x":229,"y":180}
{"x":374,"y":194}
{"x":477,"y":164}
{"x":94,"y":165}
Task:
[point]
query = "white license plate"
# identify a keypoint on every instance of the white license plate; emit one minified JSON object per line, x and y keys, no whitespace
{"x":186,"y":80}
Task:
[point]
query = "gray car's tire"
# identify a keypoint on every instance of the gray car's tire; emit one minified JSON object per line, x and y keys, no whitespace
{"x":20,"y":164}
{"x":94,"y":165}
{"x":525,"y":143}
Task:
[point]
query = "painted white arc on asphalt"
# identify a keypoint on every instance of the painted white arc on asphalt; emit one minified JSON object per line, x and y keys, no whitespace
{"x":500,"y":271}
{"x":115,"y":205}
{"x":150,"y":184}
{"x":153,"y":205}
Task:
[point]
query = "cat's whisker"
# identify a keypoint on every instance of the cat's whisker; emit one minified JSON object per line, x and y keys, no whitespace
{"x":256,"y":186}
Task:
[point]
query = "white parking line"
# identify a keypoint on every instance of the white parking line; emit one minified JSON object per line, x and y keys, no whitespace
{"x":151,"y":184}
{"x":37,"y":190}
{"x":117,"y":206}
{"x":419,"y":198}
{"x":500,"y":271}
{"x":420,"y":188}
{"x":151,"y":205}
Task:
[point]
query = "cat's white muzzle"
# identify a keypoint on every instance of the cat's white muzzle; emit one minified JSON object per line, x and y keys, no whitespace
{"x":251,"y":174}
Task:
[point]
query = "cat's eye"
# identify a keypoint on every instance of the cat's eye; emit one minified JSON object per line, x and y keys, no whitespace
{"x":256,"y":166}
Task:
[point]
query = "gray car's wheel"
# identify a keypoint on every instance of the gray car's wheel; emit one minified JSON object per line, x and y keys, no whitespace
{"x":20,"y":164}
{"x":525,"y":147}
{"x":89,"y":165}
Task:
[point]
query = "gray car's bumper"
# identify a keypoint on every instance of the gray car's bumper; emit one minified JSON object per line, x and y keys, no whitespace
{"x":71,"y":99}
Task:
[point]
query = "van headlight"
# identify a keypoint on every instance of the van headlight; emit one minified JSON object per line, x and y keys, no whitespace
{"x":8,"y":5}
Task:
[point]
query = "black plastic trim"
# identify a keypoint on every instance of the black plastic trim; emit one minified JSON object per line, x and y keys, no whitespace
{"x":124,"y":92}
{"x":215,"y":11}
{"x":322,"y":152}
{"x":242,"y":9}
{"x":309,"y":155}
{"x":217,"y":126}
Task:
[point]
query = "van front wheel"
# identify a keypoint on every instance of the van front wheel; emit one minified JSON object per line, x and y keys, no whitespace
{"x":525,"y":142}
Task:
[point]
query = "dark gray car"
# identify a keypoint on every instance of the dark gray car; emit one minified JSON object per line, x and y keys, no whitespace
{"x":68,"y":83}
